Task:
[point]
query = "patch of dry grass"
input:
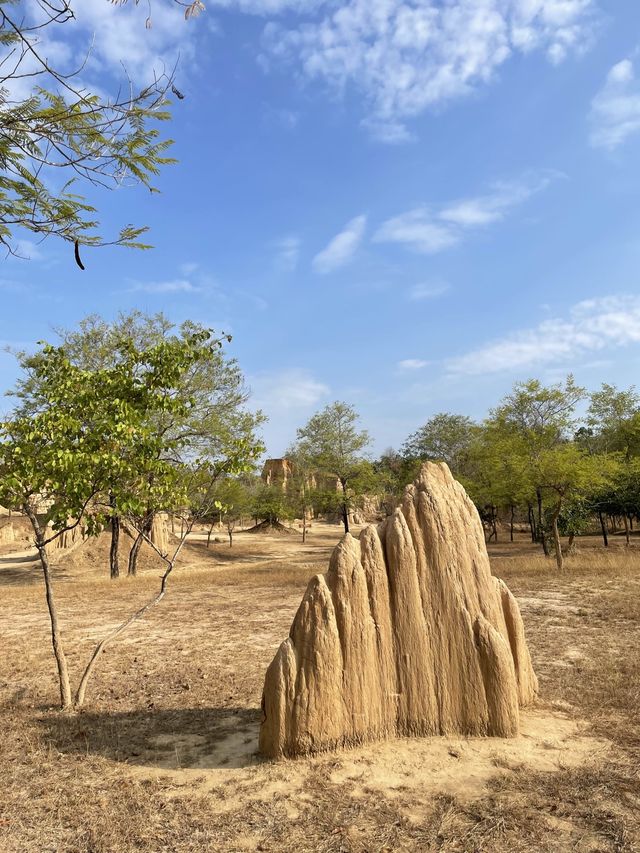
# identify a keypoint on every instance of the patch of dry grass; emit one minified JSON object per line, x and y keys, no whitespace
{"x":192,"y":674}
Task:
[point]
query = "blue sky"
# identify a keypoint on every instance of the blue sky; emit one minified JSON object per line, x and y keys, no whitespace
{"x":405,"y":205}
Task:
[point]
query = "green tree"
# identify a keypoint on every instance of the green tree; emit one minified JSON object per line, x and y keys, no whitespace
{"x":496,"y":474}
{"x":60,"y":140}
{"x":443,"y":438}
{"x":91,"y":436}
{"x":334,"y":445}
{"x":614,"y":420}
{"x":569,"y":475}
{"x":212,"y":423}
{"x":235,"y":503}
{"x":538,"y":419}
{"x":271,"y":506}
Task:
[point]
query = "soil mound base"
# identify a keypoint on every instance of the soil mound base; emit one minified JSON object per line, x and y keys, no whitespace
{"x":274,"y":527}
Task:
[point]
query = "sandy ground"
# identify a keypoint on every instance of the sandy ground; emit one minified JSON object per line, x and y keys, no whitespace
{"x":164,"y":755}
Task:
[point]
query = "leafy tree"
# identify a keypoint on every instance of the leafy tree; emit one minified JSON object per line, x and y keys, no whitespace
{"x":235,"y":503}
{"x":394,"y":471}
{"x":59,"y":139}
{"x":538,"y":419}
{"x":497,"y":476}
{"x":569,"y":475}
{"x":333,"y":444}
{"x":614,"y":420}
{"x":91,"y":436}
{"x":271,"y":506}
{"x":444,"y":438}
{"x":211,"y":423}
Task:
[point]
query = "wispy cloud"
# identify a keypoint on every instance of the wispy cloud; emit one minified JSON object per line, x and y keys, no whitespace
{"x":406,"y":57}
{"x":342,"y":248}
{"x":287,"y":253}
{"x":417,"y":230}
{"x":176,"y":285}
{"x":427,"y":290}
{"x":409,"y":364}
{"x":592,"y":326}
{"x":294,"y":388}
{"x":429,"y":230}
{"x":615,"y":110}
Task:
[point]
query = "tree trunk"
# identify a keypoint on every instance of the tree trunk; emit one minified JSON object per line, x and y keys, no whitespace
{"x":532,"y":523}
{"x":541,"y":531}
{"x":511,"y":523}
{"x":66,"y":701}
{"x":345,"y":506}
{"x":132,"y":568}
{"x":114,"y":565}
{"x":556,"y":536}
{"x":230,"y":532}
{"x":603,"y":527}
{"x":304,"y":526}
{"x":570,"y":545}
{"x":209,"y":533}
{"x":626,"y":528}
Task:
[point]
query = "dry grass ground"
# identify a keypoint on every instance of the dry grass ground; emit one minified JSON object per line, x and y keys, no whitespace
{"x":163,"y":758}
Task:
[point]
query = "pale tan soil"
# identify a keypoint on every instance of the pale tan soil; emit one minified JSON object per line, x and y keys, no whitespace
{"x":163,"y":758}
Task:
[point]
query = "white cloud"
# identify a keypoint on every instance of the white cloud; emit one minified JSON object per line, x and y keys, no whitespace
{"x":427,"y":290}
{"x":287,"y":253}
{"x":26,"y":249}
{"x":287,"y":389}
{"x":408,"y":55}
{"x":105,"y":38}
{"x":615,"y":110}
{"x":592,"y":326}
{"x":176,"y":285}
{"x":417,"y":230}
{"x":342,"y":248}
{"x":412,"y":364}
{"x":430,"y":231}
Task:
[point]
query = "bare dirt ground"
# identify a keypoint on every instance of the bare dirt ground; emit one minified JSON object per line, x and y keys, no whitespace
{"x":164,"y":756}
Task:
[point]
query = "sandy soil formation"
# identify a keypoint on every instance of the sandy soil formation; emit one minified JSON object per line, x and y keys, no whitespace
{"x":408,"y":633}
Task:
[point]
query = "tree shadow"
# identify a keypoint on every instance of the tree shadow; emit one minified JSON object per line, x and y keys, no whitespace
{"x":168,"y":739}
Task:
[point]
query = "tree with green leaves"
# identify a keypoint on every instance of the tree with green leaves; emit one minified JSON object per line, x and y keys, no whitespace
{"x":443,"y":438}
{"x":60,"y":140}
{"x":270,"y":506}
{"x":567,"y":474}
{"x":334,"y":445}
{"x":538,"y":419}
{"x":614,"y":420}
{"x":213,"y":423}
{"x":235,"y":502}
{"x":92,"y":436}
{"x":496,"y":475}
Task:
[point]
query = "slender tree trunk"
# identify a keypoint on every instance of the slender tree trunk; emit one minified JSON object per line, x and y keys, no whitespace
{"x":230,"y":532}
{"x":134,"y":553}
{"x":513,"y":510}
{"x":304,"y":525}
{"x":532,"y":523}
{"x":114,"y":565}
{"x":66,"y":701}
{"x":603,"y":527}
{"x":494,"y":523}
{"x":541,"y":531}
{"x":345,"y":506}
{"x":209,"y":533}
{"x":556,"y":536}
{"x":626,"y":528}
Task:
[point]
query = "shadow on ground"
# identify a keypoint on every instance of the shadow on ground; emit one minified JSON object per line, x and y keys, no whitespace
{"x":170,"y":739}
